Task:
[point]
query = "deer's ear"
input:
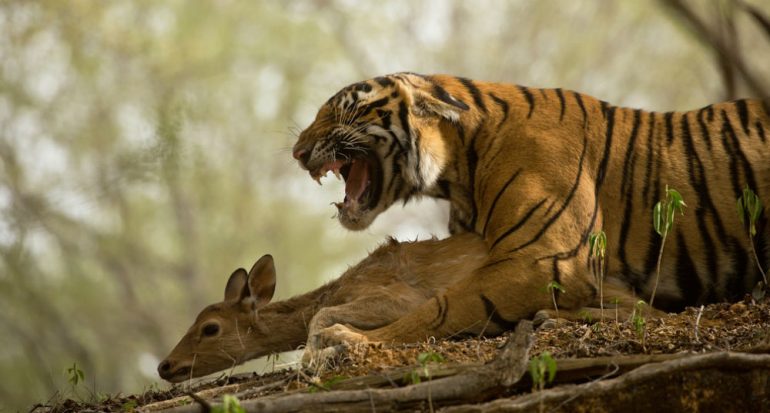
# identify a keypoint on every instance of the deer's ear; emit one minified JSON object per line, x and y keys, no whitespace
{"x":236,"y":285}
{"x":262,"y":280}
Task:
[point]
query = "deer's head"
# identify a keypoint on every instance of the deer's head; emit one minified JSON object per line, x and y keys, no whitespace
{"x":226,"y":333}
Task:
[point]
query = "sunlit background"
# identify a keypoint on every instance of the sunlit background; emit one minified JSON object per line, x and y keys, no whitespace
{"x":145,"y":147}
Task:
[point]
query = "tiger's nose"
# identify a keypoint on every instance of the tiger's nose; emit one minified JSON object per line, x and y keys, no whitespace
{"x":301,"y":155}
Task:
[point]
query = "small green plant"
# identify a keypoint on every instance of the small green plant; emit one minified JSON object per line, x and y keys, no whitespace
{"x":542,"y":370}
{"x":586,"y":316}
{"x":750,"y":209}
{"x":663,"y":220}
{"x":326,"y":385}
{"x":552,"y":287}
{"x":129,"y":406}
{"x":75,"y":375}
{"x":230,"y":404}
{"x":424,"y":359}
{"x":597,"y":242}
{"x":639,"y":323}
{"x":616,"y":301}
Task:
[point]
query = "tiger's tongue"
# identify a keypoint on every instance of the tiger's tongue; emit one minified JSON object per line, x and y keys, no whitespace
{"x":358,"y":177}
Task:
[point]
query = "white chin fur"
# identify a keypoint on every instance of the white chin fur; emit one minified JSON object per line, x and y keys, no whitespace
{"x":430,"y":168}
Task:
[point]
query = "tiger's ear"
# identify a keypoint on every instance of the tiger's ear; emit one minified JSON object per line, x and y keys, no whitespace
{"x":430,"y":100}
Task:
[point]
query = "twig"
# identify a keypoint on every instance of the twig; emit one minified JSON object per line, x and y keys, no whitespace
{"x":697,"y":323}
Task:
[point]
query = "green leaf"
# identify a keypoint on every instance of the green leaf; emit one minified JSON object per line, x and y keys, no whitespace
{"x":551,"y":364}
{"x":657,"y":222}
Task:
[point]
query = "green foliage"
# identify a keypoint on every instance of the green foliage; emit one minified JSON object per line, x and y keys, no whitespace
{"x":423,"y":359}
{"x":542,"y":370}
{"x":749,"y":207}
{"x":429,"y":357}
{"x":597,"y":243}
{"x":586,"y":316}
{"x":554,"y":286}
{"x":230,"y":404}
{"x":326,"y":385}
{"x":129,"y":406}
{"x":665,"y":210}
{"x":75,"y":375}
{"x":663,"y":220}
{"x":638,"y":320}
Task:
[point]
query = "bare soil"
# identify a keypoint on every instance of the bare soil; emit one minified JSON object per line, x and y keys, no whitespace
{"x":743,"y":327}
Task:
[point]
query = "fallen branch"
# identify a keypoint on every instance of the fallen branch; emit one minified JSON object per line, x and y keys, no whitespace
{"x":473,"y":384}
{"x":723,"y":381}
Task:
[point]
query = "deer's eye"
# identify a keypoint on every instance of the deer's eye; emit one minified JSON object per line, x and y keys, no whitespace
{"x":210,"y":330}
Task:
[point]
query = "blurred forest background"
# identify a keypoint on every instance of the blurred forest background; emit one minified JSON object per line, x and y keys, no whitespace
{"x":145,"y":145}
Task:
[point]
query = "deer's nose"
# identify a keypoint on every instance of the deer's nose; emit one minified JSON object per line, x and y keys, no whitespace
{"x":164,"y":368}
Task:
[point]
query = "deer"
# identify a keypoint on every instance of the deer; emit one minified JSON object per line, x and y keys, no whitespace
{"x":394,"y":279}
{"x":389,"y":283}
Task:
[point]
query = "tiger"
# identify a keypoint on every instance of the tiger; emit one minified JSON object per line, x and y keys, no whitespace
{"x":534,"y":172}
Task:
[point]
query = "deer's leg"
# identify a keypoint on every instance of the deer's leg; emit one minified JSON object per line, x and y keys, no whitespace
{"x":332,"y":329}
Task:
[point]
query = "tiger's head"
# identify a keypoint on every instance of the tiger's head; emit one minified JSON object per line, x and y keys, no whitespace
{"x":383,"y":137}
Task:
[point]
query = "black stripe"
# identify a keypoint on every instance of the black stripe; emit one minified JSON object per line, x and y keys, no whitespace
{"x":504,"y":107}
{"x":710,"y":113}
{"x":530,"y":100}
{"x":607,"y":146}
{"x":475,"y":93}
{"x":403,"y":116}
{"x":497,"y":198}
{"x":418,"y":157}
{"x":582,"y":107}
{"x":687,"y":275}
{"x":760,"y":131}
{"x":441,"y":94}
{"x":384,"y":81}
{"x":366,"y":109}
{"x":646,"y":195}
{"x":704,"y":132}
{"x":561,"y":102}
{"x":605,"y":107}
{"x":472,"y":160}
{"x":737,"y":159}
{"x":628,"y":176}
{"x":743,"y":113}
{"x":627,"y":191}
{"x":766,"y":106}
{"x":669,"y":127}
{"x":444,"y":188}
{"x":697,"y":174}
{"x":736,"y":286}
{"x":494,"y":316}
{"x":519,"y":224}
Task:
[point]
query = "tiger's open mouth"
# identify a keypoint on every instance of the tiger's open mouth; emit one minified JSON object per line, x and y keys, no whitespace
{"x":363,"y":184}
